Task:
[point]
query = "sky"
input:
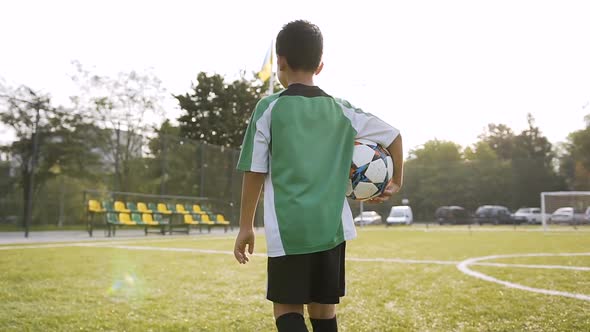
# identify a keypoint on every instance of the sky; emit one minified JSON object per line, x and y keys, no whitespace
{"x":433,"y":69}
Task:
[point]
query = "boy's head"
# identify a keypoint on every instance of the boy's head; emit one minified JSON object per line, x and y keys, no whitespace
{"x":299,"y":48}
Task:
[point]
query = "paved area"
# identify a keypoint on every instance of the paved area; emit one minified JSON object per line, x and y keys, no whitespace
{"x":99,"y":235}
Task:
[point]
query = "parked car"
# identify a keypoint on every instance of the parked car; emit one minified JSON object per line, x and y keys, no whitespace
{"x":528,"y":215}
{"x":368,"y":217}
{"x":401,"y":215}
{"x":453,"y":215}
{"x":563,"y":215}
{"x":569,"y":215}
{"x":587,"y":214}
{"x":493,"y":214}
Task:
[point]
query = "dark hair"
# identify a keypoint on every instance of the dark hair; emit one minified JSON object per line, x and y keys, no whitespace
{"x":301,"y":42}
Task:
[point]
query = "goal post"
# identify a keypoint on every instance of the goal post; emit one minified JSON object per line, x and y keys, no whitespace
{"x":572,"y":205}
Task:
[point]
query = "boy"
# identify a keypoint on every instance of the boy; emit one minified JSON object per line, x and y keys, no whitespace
{"x":299,"y":144}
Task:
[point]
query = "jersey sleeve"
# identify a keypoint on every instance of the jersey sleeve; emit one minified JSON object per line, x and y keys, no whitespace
{"x":368,"y":126}
{"x":256,"y":144}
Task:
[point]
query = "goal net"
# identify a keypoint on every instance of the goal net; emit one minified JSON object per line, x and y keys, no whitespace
{"x":565,"y":208}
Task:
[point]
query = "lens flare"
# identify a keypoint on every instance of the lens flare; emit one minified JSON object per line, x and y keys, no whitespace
{"x":125,"y":286}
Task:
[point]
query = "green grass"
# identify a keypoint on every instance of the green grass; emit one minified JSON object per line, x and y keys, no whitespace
{"x":100,"y":288}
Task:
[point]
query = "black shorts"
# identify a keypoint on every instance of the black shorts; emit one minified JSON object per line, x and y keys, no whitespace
{"x":299,"y":279}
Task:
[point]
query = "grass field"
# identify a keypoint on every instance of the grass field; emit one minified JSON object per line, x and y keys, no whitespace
{"x":398,"y":279}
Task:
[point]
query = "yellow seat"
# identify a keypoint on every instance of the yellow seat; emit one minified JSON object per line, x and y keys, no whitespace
{"x":180,"y":209}
{"x":197,"y":208}
{"x":141,"y":207}
{"x":206,"y":220}
{"x":147,"y":219}
{"x":163,"y":209}
{"x":121,"y":208}
{"x":189,"y":220}
{"x":94,"y":206}
{"x":125,"y":219}
{"x":221,"y":220}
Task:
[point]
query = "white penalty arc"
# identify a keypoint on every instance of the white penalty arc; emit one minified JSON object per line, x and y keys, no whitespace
{"x":464,"y":267}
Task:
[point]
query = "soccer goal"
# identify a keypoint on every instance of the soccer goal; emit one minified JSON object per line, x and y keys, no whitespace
{"x":565,"y":208}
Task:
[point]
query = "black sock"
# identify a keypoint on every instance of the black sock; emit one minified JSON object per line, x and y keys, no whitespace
{"x":324,"y":325}
{"x":291,"y":322}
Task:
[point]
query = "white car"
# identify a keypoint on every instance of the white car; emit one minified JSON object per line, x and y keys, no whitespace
{"x":564,"y":214}
{"x":368,"y":217}
{"x":528,"y":215}
{"x":587,"y":214}
{"x":401,"y":215}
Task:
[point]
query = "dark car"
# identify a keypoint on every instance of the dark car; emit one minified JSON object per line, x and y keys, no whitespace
{"x":494,"y":214}
{"x":453,"y":215}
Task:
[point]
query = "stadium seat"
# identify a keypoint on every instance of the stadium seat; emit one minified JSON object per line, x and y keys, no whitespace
{"x":221,"y":220}
{"x":136,"y":218}
{"x":190,"y":220}
{"x":197,"y":217}
{"x":197,"y":208}
{"x":171,"y":207}
{"x":159,"y":219}
{"x":94,"y":206}
{"x":147,"y":219}
{"x":206,"y":220}
{"x":120,"y":207}
{"x":112,"y":219}
{"x":132,"y":207}
{"x":141,"y":207}
{"x":205,"y":209}
{"x":108,"y":206}
{"x":163,"y":209}
{"x":180,"y":209}
{"x":125,"y":219}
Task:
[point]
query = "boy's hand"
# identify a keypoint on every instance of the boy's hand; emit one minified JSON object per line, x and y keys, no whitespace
{"x":391,"y":189}
{"x":245,"y":237}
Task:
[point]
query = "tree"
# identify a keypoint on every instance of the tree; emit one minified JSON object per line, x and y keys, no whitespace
{"x":530,"y":160}
{"x":575,"y":161}
{"x":124,"y":108}
{"x":217,"y":112}
{"x":48,"y":138}
{"x":488,"y":180}
{"x":434,"y":176}
{"x":533,"y":168}
{"x":481,"y":151}
{"x":500,"y":138}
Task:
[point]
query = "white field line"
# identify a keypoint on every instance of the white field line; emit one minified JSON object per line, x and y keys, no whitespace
{"x":359,"y":259}
{"x":534,"y":266}
{"x":123,"y":245}
{"x":464,"y":267}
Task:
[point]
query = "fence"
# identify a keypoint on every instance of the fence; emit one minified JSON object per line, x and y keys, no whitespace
{"x":164,"y":165}
{"x":171,"y":165}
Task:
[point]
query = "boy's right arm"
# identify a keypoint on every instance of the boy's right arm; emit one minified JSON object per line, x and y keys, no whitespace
{"x":397,"y":154}
{"x":251,"y":187}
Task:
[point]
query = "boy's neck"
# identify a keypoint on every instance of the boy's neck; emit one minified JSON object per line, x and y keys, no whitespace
{"x":301,"y":77}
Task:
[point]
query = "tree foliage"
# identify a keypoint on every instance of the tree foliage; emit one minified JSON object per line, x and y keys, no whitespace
{"x":217,"y":112}
{"x":575,"y":161}
{"x":124,"y":107}
{"x":502,"y":168}
{"x":63,"y":147}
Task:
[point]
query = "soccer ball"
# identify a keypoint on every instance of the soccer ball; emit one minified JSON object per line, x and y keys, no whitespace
{"x":370,"y":171}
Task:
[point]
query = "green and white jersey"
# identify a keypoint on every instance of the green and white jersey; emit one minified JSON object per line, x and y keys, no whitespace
{"x":303,"y":140}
